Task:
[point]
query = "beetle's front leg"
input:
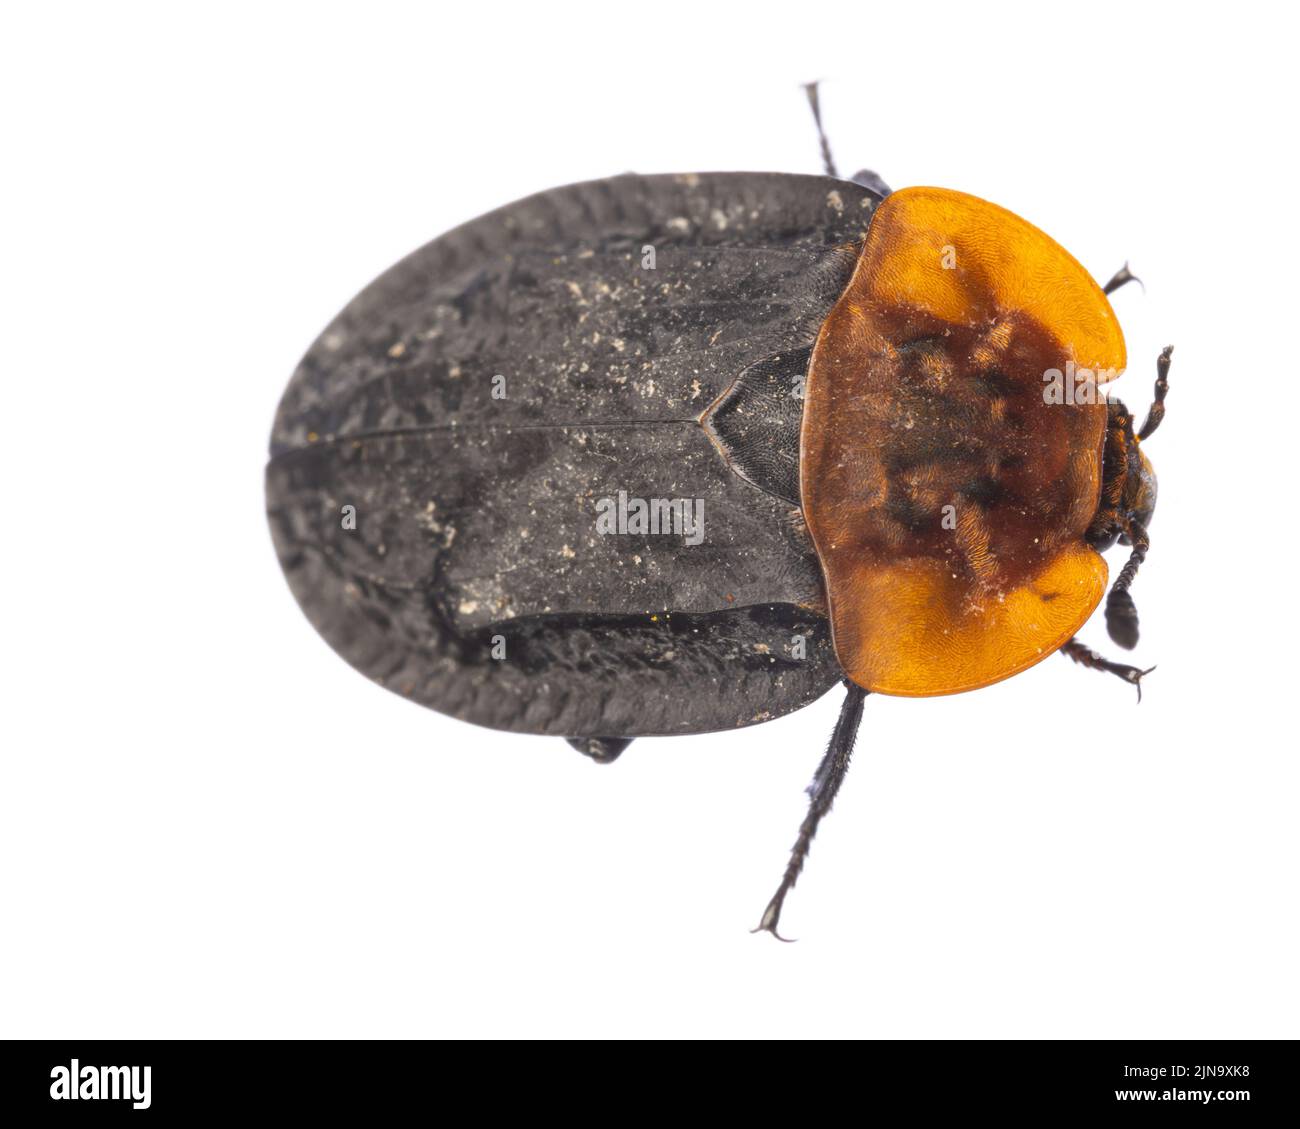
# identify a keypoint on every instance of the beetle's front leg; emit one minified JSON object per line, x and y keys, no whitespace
{"x":1086,"y":656}
{"x":1119,"y":278}
{"x":1156,"y":412}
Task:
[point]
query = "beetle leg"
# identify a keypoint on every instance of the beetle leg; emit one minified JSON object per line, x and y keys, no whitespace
{"x":1119,"y":278}
{"x":603,"y":750}
{"x":1086,"y":656}
{"x":1121,"y":614}
{"x":810,"y":88}
{"x":1157,"y":410}
{"x":872,"y":180}
{"x":821,"y":793}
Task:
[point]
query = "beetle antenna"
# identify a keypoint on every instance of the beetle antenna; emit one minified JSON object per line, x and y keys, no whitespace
{"x":810,"y":88}
{"x":1156,"y":412}
{"x":1121,"y":614}
{"x":821,"y":793}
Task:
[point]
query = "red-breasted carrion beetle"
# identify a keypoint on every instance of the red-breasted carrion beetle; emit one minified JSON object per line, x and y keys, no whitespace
{"x":658,"y":455}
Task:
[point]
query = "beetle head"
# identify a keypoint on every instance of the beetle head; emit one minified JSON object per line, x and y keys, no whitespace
{"x":1128,"y":488}
{"x":1140,"y":493}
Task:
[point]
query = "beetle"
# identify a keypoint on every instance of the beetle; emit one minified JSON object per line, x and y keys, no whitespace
{"x":659,"y":455}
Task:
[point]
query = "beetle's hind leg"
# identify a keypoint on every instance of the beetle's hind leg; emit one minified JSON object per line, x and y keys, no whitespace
{"x":1086,"y":656}
{"x":810,"y":88}
{"x":603,"y":750}
{"x":872,"y":181}
{"x":821,"y":793}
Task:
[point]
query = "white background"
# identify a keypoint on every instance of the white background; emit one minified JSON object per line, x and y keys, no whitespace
{"x":211,"y":826}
